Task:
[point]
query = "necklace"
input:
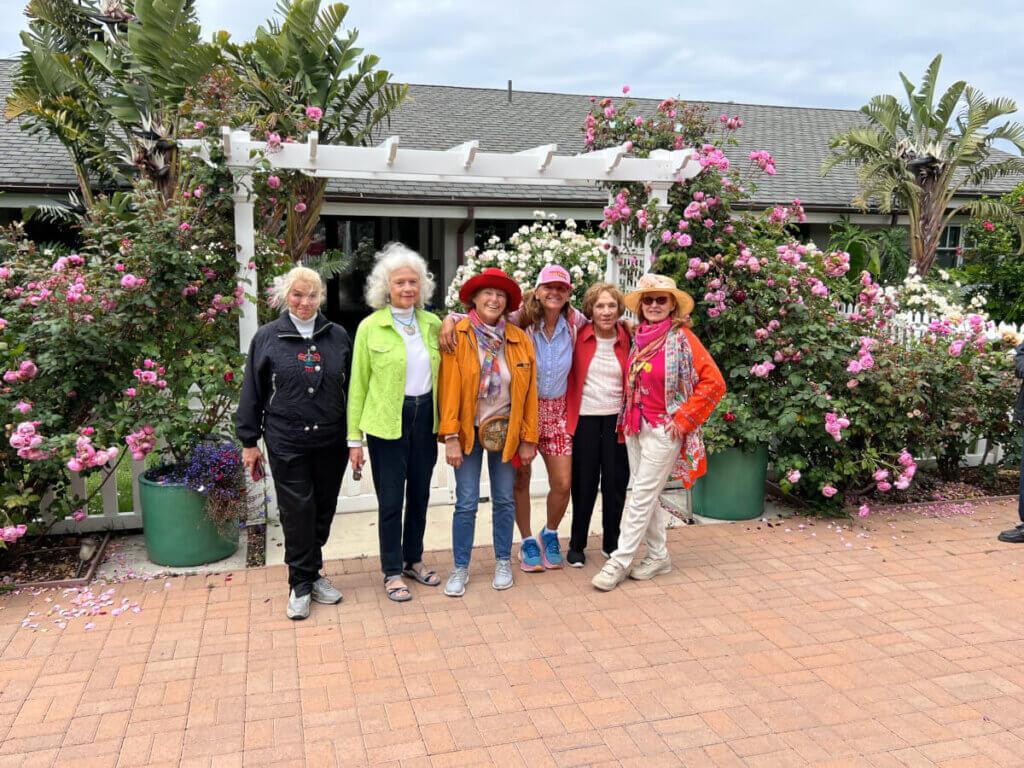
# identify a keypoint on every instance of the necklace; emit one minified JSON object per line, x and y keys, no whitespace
{"x":410,"y":327}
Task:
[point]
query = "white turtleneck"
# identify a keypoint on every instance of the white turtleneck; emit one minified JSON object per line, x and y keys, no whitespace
{"x":304,"y":327}
{"x":418,"y":377}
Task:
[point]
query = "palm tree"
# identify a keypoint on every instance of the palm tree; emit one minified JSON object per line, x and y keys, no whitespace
{"x":106,"y":79}
{"x":922,"y":155}
{"x":302,"y":60}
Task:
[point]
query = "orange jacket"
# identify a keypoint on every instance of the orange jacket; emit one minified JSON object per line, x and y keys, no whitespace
{"x":459,"y":382}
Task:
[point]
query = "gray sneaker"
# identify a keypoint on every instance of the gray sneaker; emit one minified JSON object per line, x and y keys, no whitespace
{"x":456,"y":586}
{"x":502,"y":574}
{"x":325,"y":592}
{"x":298,"y":607}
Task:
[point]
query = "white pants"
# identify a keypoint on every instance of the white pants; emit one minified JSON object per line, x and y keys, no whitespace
{"x":652,"y":454}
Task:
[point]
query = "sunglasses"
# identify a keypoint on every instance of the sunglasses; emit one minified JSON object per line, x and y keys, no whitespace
{"x":648,"y":300}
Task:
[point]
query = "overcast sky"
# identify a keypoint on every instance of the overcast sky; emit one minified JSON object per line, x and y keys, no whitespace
{"x":818,"y":54}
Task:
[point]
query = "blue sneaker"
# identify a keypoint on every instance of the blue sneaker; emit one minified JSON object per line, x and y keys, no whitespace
{"x":529,"y":555}
{"x":550,"y":554}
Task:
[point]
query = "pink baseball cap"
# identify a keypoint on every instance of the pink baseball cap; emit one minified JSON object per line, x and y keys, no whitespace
{"x":553,"y":273}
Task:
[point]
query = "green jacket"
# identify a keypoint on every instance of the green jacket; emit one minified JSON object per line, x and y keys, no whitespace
{"x":377,"y":386}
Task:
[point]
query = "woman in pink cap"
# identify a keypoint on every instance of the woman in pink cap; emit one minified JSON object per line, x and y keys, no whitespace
{"x":551,"y":322}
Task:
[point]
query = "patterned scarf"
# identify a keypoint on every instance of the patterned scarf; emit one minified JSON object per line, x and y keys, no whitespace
{"x":649,"y":340}
{"x":490,"y":341}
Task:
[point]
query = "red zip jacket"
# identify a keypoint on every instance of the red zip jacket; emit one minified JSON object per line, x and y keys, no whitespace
{"x":583,"y":353}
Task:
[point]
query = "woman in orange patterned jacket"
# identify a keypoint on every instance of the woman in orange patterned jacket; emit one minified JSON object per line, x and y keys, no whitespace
{"x":672,"y":386}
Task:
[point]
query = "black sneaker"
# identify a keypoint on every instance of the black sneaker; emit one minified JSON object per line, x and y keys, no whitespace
{"x":575,"y":558}
{"x":1014,"y":535}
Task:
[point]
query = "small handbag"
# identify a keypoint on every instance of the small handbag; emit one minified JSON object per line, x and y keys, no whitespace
{"x":493,"y":432}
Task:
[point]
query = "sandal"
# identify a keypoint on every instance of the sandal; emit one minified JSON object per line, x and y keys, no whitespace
{"x":422,"y":575}
{"x":397,"y":592}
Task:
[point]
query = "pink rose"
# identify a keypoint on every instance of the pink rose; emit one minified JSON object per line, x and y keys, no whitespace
{"x":79,"y":516}
{"x":314,"y":113}
{"x":273,"y":182}
{"x":793,"y":476}
{"x":864,"y":510}
{"x":300,"y":207}
{"x":828,"y":491}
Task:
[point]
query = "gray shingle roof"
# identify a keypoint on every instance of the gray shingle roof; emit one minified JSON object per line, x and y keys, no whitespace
{"x":29,"y":162}
{"x":439,"y":117}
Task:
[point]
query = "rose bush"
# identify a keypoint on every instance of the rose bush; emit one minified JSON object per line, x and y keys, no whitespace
{"x":529,"y":250}
{"x":105,"y":352}
{"x":820,"y":364}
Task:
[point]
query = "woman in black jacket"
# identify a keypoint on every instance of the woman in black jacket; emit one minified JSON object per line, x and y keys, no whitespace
{"x":293,"y":396}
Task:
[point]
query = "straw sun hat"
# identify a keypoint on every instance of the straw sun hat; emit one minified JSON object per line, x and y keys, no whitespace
{"x":651,"y":283}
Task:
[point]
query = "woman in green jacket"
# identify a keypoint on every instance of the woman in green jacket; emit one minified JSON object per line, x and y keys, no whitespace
{"x":393,"y":400}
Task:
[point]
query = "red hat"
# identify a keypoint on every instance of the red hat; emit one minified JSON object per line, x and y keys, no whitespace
{"x":492,"y":277}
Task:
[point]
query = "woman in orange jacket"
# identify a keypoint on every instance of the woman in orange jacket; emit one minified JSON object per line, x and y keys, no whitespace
{"x":487,"y":401}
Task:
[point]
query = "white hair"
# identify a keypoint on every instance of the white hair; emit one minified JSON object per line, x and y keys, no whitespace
{"x":389,"y":258}
{"x":283,"y":283}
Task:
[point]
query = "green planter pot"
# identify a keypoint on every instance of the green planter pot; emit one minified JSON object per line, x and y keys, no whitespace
{"x":176,"y":528}
{"x":733,"y":488}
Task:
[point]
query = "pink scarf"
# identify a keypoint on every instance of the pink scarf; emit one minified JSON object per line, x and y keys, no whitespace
{"x":490,"y":341}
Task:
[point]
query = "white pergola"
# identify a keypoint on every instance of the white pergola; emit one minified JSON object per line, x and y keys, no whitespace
{"x":460,"y":164}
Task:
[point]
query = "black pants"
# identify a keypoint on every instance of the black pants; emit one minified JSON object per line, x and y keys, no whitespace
{"x":401,"y":472}
{"x":307,"y":483}
{"x":1020,"y":501}
{"x":598,"y":457}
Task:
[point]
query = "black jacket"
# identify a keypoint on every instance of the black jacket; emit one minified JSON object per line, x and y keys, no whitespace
{"x":294,"y":389}
{"x":1018,"y":362}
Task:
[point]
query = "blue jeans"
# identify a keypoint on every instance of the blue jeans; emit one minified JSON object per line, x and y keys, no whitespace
{"x":467,"y":497}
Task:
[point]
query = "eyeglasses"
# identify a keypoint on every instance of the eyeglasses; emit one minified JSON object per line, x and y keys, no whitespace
{"x":648,"y":300}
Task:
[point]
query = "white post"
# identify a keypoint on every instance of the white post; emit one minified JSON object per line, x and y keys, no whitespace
{"x":611,"y":264}
{"x":245,"y":245}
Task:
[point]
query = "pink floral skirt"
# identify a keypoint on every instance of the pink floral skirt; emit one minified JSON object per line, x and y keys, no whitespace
{"x":551,"y":417}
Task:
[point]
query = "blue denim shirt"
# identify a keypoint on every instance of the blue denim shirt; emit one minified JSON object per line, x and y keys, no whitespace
{"x":554,"y":358}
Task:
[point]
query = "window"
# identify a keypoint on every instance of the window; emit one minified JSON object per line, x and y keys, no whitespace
{"x":946,"y":255}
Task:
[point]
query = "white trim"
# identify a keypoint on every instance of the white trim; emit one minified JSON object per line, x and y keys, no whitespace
{"x":389,"y":162}
{"x":26,"y":200}
{"x":458,"y":212}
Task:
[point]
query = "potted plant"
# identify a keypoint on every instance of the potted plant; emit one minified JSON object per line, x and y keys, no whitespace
{"x":192,"y":509}
{"x":194,"y":498}
{"x":736,"y":440}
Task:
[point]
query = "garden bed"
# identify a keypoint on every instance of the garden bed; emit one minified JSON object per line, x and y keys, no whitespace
{"x":50,"y":561}
{"x":256,"y":543}
{"x":974,"y":483}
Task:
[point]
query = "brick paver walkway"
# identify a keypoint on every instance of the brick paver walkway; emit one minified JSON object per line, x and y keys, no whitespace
{"x":778,"y":646}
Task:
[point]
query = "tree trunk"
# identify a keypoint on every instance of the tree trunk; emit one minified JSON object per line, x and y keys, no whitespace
{"x":928,"y":227}
{"x":301,"y":225}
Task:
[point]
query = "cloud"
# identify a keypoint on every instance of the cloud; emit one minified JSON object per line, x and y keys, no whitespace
{"x":801,"y":53}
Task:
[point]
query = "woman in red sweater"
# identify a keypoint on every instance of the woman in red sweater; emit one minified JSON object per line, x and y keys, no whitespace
{"x":672,"y":386}
{"x":594,"y":402}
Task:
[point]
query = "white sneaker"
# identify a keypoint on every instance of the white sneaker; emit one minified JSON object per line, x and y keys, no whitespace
{"x":609,"y":577}
{"x":502,"y":574}
{"x":298,"y":607}
{"x":456,"y":586}
{"x":650,"y":567}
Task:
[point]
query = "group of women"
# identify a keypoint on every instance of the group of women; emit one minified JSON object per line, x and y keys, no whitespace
{"x":600,"y":399}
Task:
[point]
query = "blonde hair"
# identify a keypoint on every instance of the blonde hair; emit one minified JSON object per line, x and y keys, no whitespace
{"x":594,"y":293}
{"x":283,"y":284}
{"x":389,"y":258}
